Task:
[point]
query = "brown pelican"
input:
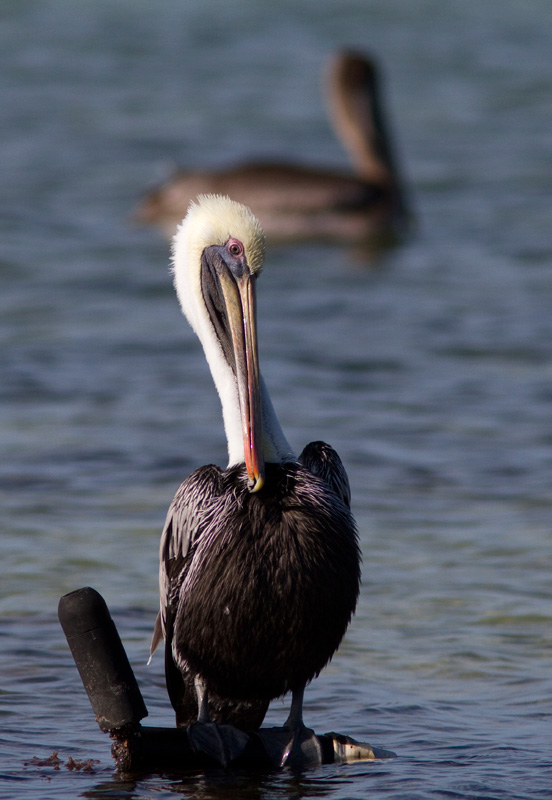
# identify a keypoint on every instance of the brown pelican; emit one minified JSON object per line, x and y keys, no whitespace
{"x":259,"y":562}
{"x":295,"y":202}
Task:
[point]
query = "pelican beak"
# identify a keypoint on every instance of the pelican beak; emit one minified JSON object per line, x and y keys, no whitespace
{"x":241,"y":307}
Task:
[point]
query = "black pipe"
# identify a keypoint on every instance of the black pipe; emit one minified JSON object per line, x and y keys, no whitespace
{"x":101,"y":659}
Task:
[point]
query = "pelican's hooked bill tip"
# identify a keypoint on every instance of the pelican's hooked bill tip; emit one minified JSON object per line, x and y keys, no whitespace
{"x":256,"y":483}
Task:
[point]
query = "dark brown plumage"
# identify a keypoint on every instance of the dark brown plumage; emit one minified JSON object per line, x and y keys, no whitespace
{"x":262,"y":600}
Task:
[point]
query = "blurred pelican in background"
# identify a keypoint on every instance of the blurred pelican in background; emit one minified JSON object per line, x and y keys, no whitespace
{"x":296,"y":202}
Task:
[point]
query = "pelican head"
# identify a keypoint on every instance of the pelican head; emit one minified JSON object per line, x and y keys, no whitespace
{"x":218,"y":251}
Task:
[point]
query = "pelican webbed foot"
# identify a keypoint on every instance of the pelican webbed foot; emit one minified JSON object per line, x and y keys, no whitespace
{"x":291,"y":748}
{"x":293,"y":745}
{"x":222,"y":744}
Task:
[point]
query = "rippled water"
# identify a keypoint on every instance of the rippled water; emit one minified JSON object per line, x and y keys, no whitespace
{"x":428,"y":370}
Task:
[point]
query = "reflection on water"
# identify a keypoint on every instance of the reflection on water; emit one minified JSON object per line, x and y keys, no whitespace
{"x":428,"y":371}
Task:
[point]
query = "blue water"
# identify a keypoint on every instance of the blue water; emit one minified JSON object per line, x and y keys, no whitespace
{"x":429,"y":370}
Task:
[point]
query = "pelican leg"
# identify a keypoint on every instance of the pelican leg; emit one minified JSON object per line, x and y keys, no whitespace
{"x":222,"y":743}
{"x":292,"y":745}
{"x":202,"y":700}
{"x":295,"y":718}
{"x":302,"y":745}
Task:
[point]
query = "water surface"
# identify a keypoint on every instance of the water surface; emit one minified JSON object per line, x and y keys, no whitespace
{"x":429,"y":370}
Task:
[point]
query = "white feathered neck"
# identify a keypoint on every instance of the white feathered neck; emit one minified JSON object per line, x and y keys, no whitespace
{"x":212,"y":220}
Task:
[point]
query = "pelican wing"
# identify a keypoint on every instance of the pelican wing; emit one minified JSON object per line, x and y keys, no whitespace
{"x":183,"y":526}
{"x":322,"y":460}
{"x":187,"y":521}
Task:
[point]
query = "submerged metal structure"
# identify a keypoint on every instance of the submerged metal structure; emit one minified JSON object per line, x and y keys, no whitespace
{"x":119,"y":709}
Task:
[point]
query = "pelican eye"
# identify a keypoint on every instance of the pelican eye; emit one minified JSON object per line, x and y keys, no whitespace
{"x":235,"y":247}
